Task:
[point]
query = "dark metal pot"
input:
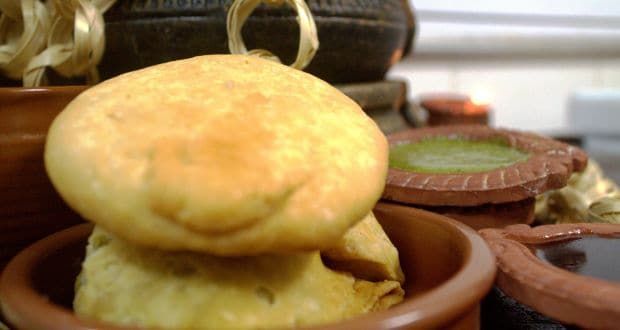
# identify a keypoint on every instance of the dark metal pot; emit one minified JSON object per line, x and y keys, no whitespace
{"x":360,"y":39}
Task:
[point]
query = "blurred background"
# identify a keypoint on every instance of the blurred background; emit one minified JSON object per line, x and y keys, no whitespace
{"x":526,"y":57}
{"x":549,"y":66}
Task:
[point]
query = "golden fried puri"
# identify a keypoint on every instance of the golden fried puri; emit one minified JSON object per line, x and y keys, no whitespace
{"x":129,"y":285}
{"x":366,"y":252}
{"x":222,"y":154}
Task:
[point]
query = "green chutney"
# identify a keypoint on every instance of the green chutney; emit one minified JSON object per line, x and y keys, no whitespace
{"x":443,"y":155}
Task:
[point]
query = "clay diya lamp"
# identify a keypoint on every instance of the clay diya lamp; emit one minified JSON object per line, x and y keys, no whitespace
{"x":482,"y":176}
{"x":448,"y":269}
{"x":568,"y":272}
{"x":453,"y":109}
{"x":30,"y":208}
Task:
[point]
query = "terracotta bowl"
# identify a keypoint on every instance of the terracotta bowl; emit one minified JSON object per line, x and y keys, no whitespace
{"x":569,"y":272}
{"x":448,"y":266}
{"x":29,"y":207}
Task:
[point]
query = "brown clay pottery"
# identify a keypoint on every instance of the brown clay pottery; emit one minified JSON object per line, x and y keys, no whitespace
{"x":30,"y":208}
{"x":490,"y":215}
{"x":448,"y":267}
{"x":452,"y":169}
{"x":454,"y":109}
{"x":569,"y":272}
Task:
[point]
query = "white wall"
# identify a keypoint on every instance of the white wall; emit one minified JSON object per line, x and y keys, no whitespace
{"x":529,"y":95}
{"x":561,"y":7}
{"x":526,"y":56}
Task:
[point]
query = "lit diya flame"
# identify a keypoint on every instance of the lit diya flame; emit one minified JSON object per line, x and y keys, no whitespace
{"x":474,"y":108}
{"x":479,"y":102}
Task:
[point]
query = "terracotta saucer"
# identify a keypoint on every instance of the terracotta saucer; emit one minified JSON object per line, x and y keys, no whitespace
{"x":568,"y":272}
{"x":549,"y":165}
{"x":448,"y":266}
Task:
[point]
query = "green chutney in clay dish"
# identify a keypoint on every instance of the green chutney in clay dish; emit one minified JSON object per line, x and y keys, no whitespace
{"x":454,"y":155}
{"x":482,"y":176}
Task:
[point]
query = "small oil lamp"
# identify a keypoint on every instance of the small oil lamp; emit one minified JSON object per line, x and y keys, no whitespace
{"x":451,"y":109}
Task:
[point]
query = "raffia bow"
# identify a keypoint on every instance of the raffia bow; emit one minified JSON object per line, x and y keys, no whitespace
{"x":589,"y":196}
{"x":606,"y":209}
{"x":23,"y":34}
{"x":76,"y":41}
{"x":239,"y":12}
{"x":73,"y":37}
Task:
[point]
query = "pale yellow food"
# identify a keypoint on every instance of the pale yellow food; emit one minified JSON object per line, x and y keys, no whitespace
{"x":228,"y":155}
{"x":124,"y":284}
{"x":606,"y":209}
{"x":577,"y":202}
{"x":366,"y":251}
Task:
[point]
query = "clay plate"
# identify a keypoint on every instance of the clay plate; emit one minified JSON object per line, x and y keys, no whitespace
{"x":561,"y":294}
{"x":448,"y":266}
{"x":548,"y":167}
{"x":30,"y":208}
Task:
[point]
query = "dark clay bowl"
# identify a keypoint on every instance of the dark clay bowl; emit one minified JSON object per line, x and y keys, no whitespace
{"x":30,"y":208}
{"x":448,"y":267}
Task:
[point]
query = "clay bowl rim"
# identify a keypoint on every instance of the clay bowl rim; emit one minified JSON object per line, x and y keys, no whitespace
{"x":578,"y":299}
{"x":429,"y":309}
{"x":549,"y":165}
